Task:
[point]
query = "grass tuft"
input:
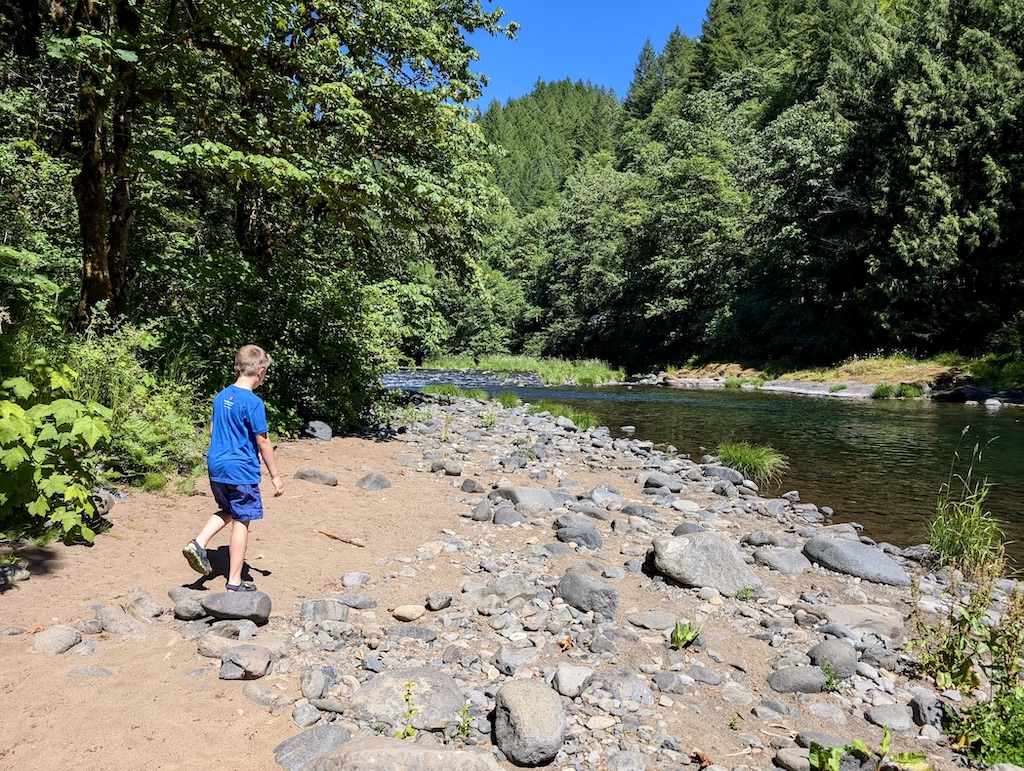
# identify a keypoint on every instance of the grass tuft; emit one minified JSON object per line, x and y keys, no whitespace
{"x":757,"y":462}
{"x":507,"y":399}
{"x":581,"y":418}
{"x":964,"y":534}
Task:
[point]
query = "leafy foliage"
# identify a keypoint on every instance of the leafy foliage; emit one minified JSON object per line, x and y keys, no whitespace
{"x":49,"y":451}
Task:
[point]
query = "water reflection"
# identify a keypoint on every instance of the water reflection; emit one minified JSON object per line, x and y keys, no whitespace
{"x":879,"y":463}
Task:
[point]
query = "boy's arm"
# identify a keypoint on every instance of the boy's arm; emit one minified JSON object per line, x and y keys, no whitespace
{"x":266,"y":450}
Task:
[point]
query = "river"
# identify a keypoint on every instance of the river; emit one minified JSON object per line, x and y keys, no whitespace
{"x":878,"y":463}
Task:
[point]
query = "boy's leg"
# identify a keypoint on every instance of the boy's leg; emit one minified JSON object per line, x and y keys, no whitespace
{"x":236,"y":551}
{"x":214,"y":525}
{"x":195,"y":550}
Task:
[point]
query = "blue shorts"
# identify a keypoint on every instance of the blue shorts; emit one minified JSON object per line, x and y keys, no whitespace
{"x":242,"y":502}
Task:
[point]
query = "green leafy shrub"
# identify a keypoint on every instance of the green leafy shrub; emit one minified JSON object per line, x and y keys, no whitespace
{"x":836,"y":388}
{"x":49,"y":453}
{"x":581,"y":418}
{"x":964,"y":534}
{"x":993,"y":731}
{"x":908,"y":391}
{"x":970,"y":641}
{"x":153,"y":419}
{"x":883,"y":391}
{"x":734,"y":382}
{"x":757,"y":462}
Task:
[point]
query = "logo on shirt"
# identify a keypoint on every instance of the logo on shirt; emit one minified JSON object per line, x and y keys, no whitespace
{"x":229,"y":403}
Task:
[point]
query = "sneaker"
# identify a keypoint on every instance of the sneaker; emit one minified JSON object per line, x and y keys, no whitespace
{"x":242,"y":587}
{"x":197,"y":559}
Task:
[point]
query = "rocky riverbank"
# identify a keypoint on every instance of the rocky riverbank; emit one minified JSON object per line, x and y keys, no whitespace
{"x":530,"y":623}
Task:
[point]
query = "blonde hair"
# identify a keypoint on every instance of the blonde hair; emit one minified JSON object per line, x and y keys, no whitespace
{"x":249,"y":359}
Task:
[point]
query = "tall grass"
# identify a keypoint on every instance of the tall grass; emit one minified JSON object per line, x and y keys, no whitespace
{"x":507,"y":399}
{"x":449,"y":392}
{"x":588,"y":372}
{"x":964,"y":534}
{"x":581,"y":418}
{"x":759,"y":463}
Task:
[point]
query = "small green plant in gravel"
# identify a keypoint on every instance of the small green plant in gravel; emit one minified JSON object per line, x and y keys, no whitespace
{"x":760,"y":463}
{"x":831,"y":758}
{"x":407,"y":731}
{"x":683,"y":634}
{"x":734,"y":721}
{"x":734,"y":382}
{"x":833,"y":682}
{"x":836,"y":388}
{"x":488,"y":419}
{"x":745,"y":594}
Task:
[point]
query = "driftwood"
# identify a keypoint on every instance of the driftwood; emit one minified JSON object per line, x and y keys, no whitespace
{"x":339,"y":538}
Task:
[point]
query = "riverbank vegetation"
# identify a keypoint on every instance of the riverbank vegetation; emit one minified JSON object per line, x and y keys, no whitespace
{"x":551,"y":371}
{"x":759,"y":463}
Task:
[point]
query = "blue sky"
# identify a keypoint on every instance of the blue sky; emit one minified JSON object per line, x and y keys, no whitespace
{"x":598,"y":40}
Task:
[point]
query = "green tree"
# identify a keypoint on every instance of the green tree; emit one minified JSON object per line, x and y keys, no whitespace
{"x":354,"y":112}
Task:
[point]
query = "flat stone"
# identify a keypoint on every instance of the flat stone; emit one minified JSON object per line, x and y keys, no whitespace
{"x":373,"y":752}
{"x":373,"y":482}
{"x":856,"y":559}
{"x":254,"y":606}
{"x":317,"y":476}
{"x":56,"y":639}
{"x":797,"y":680}
{"x":408,"y":612}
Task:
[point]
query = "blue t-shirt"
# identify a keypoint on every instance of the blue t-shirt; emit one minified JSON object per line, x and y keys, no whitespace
{"x":238,"y":416}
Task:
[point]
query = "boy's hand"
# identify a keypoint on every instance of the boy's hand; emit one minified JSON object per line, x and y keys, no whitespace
{"x":278,"y":485}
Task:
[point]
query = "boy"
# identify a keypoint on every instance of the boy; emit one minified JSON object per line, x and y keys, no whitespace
{"x":238,"y":441}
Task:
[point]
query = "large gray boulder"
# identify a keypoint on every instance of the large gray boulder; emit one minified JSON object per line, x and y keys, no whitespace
{"x":376,"y":753}
{"x":294,"y":753}
{"x":529,"y":722}
{"x":433,"y":693}
{"x":254,"y":606}
{"x":856,"y":559}
{"x":705,"y":559}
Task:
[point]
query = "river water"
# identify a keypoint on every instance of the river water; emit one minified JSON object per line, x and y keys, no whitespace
{"x":879,"y":463}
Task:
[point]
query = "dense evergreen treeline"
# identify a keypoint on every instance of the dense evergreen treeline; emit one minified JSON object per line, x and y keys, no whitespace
{"x":809,"y":180}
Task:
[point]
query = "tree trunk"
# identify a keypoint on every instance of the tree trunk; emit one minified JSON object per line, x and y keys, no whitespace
{"x":90,"y":194}
{"x":121,"y":210}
